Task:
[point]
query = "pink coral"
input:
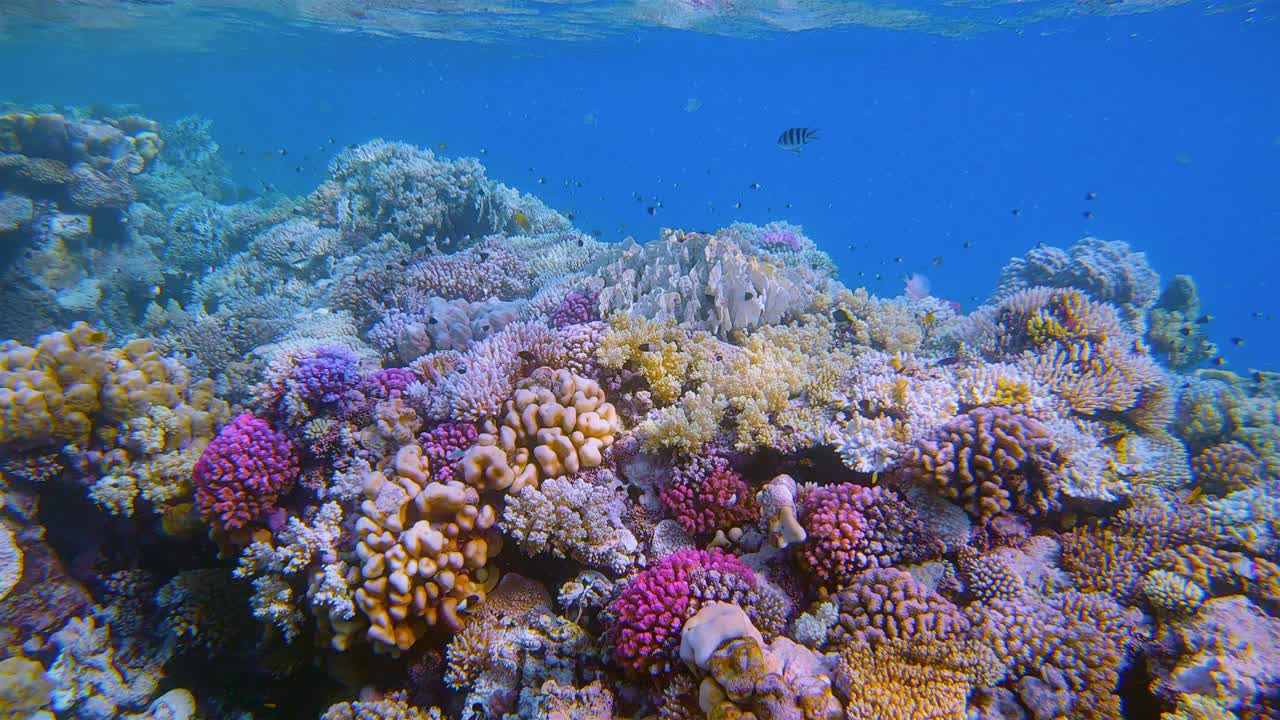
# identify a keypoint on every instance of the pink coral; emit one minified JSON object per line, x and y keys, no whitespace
{"x":707,"y":495}
{"x":852,"y":528}
{"x":654,"y":606}
{"x":242,"y":473}
{"x":444,"y":444}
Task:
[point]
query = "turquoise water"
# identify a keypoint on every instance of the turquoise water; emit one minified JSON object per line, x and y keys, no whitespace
{"x":326,"y":316}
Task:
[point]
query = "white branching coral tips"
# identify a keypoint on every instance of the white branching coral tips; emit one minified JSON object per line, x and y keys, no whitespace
{"x":558,"y":425}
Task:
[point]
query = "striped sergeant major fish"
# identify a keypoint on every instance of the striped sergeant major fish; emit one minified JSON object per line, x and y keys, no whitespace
{"x":794,"y":139}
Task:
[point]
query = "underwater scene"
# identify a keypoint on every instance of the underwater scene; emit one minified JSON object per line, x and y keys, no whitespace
{"x":639,"y":359}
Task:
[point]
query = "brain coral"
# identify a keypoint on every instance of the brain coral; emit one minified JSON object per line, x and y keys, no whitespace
{"x":653,"y":607}
{"x":851,"y":528}
{"x":557,"y":425}
{"x":243,"y":472}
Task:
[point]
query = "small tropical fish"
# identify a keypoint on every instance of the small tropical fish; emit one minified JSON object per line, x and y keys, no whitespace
{"x":1258,"y":314}
{"x":521,"y":219}
{"x":738,"y":205}
{"x":527,"y":355}
{"x":966,"y":244}
{"x":1091,"y":196}
{"x":1087,"y":214}
{"x":1237,"y":341}
{"x":692,"y":105}
{"x":793,"y":139}
{"x":1195,"y":495}
{"x":898,"y":259}
{"x":1016,"y":212}
{"x":842,"y":314}
{"x":929,"y":318}
{"x":754,"y":186}
{"x":949,"y":360}
{"x":283,"y":152}
{"x":443,"y":146}
{"x":1113,"y":438}
{"x":652,"y":210}
{"x":645,"y":347}
{"x":1204,"y":319}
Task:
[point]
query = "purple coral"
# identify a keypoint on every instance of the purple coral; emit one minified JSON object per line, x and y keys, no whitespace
{"x":885,"y":604}
{"x":444,"y":444}
{"x":324,"y":375}
{"x":852,"y":528}
{"x":781,"y":240}
{"x":990,"y":460}
{"x":387,"y":383}
{"x":651,"y":610}
{"x":243,"y":472}
{"x":706,"y":495}
{"x":574,"y":309}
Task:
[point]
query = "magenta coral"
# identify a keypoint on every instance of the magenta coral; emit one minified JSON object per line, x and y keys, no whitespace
{"x":706,"y":495}
{"x":444,"y":445}
{"x":653,"y":607}
{"x":387,"y":383}
{"x":852,"y":528}
{"x":242,"y":473}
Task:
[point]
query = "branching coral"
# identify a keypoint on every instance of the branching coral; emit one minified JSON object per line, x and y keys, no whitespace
{"x":705,"y":494}
{"x":243,"y":472}
{"x":574,"y":518}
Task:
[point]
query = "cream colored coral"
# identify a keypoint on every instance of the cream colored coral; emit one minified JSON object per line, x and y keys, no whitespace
{"x":423,"y":548}
{"x":559,"y":425}
{"x":778,"y":508}
{"x":10,"y":561}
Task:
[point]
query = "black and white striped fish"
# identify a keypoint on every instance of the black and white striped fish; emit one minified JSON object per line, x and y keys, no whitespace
{"x":794,"y":139}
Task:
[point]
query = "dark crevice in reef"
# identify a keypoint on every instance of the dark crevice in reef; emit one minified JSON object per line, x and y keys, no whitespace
{"x":1136,"y":699}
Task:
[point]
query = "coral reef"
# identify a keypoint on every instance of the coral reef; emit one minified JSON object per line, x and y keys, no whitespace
{"x":415,"y":444}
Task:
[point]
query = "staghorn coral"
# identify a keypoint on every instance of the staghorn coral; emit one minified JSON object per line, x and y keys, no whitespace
{"x":557,"y":425}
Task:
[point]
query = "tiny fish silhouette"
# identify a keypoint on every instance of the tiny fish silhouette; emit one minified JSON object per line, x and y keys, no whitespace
{"x":793,"y":139}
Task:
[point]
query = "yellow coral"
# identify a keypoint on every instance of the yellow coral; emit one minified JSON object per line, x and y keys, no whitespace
{"x":424,"y":547}
{"x":559,"y":425}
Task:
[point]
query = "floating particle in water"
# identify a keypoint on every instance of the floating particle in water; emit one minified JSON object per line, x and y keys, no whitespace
{"x":966,"y":244}
{"x":1091,"y":196}
{"x":898,"y":259}
{"x":738,"y":205}
{"x":283,"y":152}
{"x":1015,"y":212}
{"x":692,"y":105}
{"x":937,"y":260}
{"x":1087,"y":214}
{"x":1237,"y":341}
{"x":754,"y":186}
{"x":590,"y":119}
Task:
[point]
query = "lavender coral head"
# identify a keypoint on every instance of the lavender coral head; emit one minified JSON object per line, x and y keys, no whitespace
{"x":243,"y":472}
{"x":387,"y":383}
{"x":574,"y":309}
{"x":852,"y":528}
{"x":781,"y":240}
{"x":324,"y":375}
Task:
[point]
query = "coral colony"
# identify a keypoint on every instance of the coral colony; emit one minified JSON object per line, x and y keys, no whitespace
{"x":412,"y":446}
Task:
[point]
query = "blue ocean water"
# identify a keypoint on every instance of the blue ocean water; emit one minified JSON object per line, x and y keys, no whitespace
{"x":929,"y":141}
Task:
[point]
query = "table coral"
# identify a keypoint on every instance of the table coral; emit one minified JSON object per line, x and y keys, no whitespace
{"x":558,"y":424}
{"x":242,"y":473}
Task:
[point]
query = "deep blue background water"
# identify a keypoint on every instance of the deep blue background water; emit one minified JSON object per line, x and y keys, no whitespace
{"x":1172,"y":118}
